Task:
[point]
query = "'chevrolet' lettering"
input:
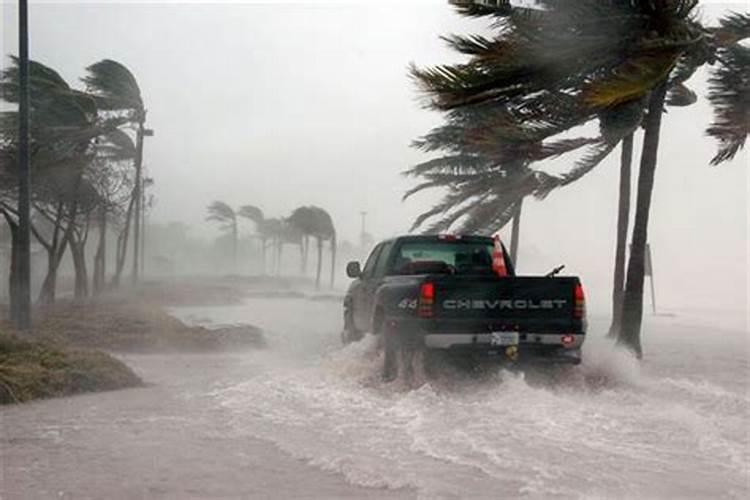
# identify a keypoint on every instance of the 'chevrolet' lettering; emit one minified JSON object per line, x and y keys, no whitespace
{"x":512,"y":304}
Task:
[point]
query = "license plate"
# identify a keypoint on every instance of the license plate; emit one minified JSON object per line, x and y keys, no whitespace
{"x":504,"y":338}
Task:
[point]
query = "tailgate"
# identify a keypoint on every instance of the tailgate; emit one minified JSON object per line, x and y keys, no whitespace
{"x":526,"y":304}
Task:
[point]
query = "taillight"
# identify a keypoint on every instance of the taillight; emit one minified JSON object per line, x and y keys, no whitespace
{"x":579,"y":312}
{"x":426,"y":300}
{"x":567,"y":340}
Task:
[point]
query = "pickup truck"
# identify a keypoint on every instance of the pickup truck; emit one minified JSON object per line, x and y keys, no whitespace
{"x":460,"y":294}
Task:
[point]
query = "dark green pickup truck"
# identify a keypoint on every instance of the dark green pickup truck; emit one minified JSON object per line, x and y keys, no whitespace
{"x":447,"y":292}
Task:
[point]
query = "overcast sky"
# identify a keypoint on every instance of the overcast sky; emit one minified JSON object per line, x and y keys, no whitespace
{"x":280,"y":104}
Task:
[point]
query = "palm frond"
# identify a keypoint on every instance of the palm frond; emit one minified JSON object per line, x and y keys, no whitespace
{"x":681,"y":96}
{"x":220,"y":212}
{"x":114,"y":86}
{"x":251,"y":212}
{"x":590,"y":161}
{"x":729,"y":93}
{"x":480,"y":8}
{"x":631,"y":80}
{"x":732,"y":28}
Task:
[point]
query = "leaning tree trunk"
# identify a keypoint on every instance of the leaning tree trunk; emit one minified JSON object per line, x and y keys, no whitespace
{"x":305,"y":253}
{"x":100,"y":258}
{"x":623,"y":216}
{"x":279,"y":252}
{"x":515,"y":234}
{"x":264,"y":242}
{"x":333,"y":259}
{"x":122,"y":242}
{"x":13,"y":278}
{"x":55,"y":253}
{"x":77,"y":250}
{"x":234,"y":246}
{"x":320,"y":262}
{"x":14,"y":285}
{"x":302,"y":257}
{"x":632,"y":314}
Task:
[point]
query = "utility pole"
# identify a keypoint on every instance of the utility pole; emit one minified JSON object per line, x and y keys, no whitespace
{"x":141,"y":133}
{"x":143,"y":225}
{"x":23,"y":316}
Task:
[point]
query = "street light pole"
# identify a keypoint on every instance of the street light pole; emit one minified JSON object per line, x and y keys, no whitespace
{"x":23,"y":316}
{"x":141,"y":133}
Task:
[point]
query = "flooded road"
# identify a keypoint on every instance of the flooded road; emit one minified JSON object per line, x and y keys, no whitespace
{"x":307,"y":418}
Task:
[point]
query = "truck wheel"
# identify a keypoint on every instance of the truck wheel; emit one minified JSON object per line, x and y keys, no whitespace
{"x":350,"y":333}
{"x":391,"y":353}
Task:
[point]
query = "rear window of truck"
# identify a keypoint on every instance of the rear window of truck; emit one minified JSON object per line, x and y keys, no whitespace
{"x":438,"y":257}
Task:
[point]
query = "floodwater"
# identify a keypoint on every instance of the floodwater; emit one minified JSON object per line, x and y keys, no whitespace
{"x":307,"y":418}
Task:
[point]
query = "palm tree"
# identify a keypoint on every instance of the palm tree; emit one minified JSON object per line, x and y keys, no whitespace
{"x":486,"y":167}
{"x":570,"y":62}
{"x":303,"y":219}
{"x":220,"y":212}
{"x":117,"y":90}
{"x":255,"y":215}
{"x":64,"y":125}
{"x":729,"y":93}
{"x":115,"y":150}
{"x":315,"y":222}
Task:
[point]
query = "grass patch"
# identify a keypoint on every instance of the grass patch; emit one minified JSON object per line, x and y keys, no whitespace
{"x":34,"y":370}
{"x":120,"y":324}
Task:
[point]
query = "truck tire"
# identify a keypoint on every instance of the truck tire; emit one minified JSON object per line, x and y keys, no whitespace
{"x":350,"y":333}
{"x":391,"y":353}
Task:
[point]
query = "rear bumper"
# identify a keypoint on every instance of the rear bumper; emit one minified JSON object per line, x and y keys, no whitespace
{"x":483,"y":340}
{"x":532,"y":347}
{"x":548,"y":350}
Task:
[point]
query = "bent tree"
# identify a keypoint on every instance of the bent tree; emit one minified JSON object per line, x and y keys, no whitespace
{"x":557,"y":65}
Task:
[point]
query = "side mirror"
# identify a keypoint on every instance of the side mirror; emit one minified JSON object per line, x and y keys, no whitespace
{"x":353,"y":270}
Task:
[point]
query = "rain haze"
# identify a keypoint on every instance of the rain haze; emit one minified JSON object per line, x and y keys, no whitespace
{"x":282,"y":105}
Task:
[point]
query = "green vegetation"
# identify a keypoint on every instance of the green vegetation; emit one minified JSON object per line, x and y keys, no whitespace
{"x":550,"y":67}
{"x":86,"y":161}
{"x":34,"y":370}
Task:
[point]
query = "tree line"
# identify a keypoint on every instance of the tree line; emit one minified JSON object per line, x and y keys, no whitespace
{"x":304,"y":224}
{"x":86,"y":148}
{"x":557,"y":65}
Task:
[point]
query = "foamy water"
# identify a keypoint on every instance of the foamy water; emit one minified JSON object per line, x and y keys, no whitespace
{"x":675,"y":425}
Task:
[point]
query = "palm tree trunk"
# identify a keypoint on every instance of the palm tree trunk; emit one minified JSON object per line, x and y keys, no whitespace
{"x":49,"y":286}
{"x":623,"y":216}
{"x":279,"y":251}
{"x":55,"y":253}
{"x":333,"y":259}
{"x":122,"y":248}
{"x":515,"y":233}
{"x":234,"y":246}
{"x":305,"y":252}
{"x":13,"y":285}
{"x":100,"y":258}
{"x":632,"y":314}
{"x":264,"y":242}
{"x":302,"y":257}
{"x":320,"y":262}
{"x":77,"y":251}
